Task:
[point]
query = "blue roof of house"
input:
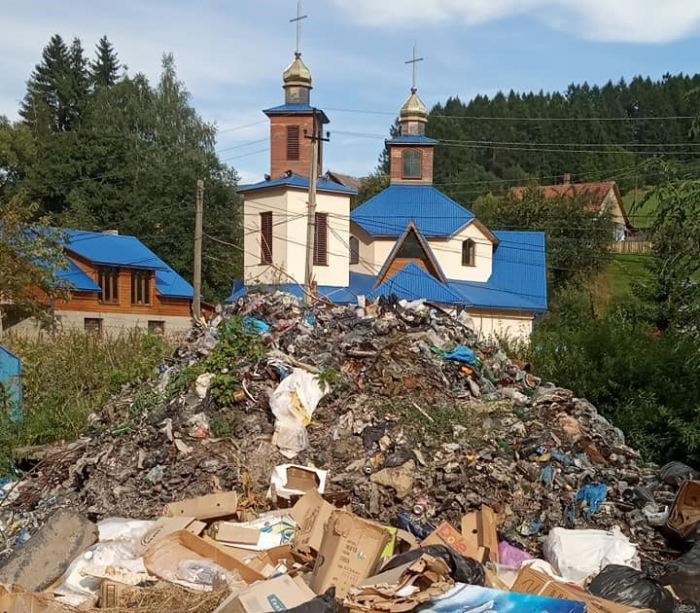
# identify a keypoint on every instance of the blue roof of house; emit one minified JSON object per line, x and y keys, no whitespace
{"x":390,"y":211}
{"x":125,"y":251}
{"x":412,"y":139}
{"x":295,"y":109}
{"x":294,"y":180}
{"x":76,"y":279}
{"x":412,"y":283}
{"x":518,"y":280}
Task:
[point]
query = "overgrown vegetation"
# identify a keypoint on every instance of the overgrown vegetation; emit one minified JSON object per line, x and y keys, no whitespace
{"x":67,"y":377}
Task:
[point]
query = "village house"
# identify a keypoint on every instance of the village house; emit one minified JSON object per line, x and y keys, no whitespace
{"x":602,"y":197}
{"x":410,"y":240}
{"x":116,"y":283}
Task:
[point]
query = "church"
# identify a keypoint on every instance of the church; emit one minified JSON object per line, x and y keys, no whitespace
{"x":410,"y":240}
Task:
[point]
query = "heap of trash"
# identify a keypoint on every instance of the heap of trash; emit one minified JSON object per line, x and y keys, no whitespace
{"x":379,"y":457}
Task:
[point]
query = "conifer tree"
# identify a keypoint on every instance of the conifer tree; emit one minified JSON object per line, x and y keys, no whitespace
{"x":104,"y":70}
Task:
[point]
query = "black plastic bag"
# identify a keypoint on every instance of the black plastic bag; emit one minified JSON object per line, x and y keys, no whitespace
{"x":321,"y":604}
{"x":462,"y":570}
{"x":629,"y":586}
{"x":674,"y":473}
{"x":683,"y":575}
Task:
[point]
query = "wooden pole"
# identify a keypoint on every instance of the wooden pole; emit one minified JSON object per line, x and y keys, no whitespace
{"x":311,"y":214}
{"x":197,"y":275}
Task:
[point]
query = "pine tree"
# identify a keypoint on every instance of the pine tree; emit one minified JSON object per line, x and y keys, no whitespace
{"x":77,"y":85}
{"x":43,"y":104}
{"x":104,"y":70}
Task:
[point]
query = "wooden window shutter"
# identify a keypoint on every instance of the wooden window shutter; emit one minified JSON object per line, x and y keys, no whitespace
{"x":292,"y":142}
{"x":266,"y":238}
{"x":321,"y":240}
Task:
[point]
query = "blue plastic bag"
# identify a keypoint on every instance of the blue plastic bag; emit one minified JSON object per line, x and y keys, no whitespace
{"x":594,"y":494}
{"x":461,"y":354}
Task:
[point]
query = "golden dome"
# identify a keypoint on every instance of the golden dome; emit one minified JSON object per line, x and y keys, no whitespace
{"x":297,"y":74}
{"x":414,"y":109}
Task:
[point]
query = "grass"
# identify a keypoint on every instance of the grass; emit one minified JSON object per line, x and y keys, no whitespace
{"x":642,"y":213}
{"x":68,"y":377}
{"x":616,"y":283}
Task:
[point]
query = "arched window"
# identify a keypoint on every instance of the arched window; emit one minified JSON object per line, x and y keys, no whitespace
{"x":468,"y":252}
{"x":412,"y":164}
{"x":354,"y":250}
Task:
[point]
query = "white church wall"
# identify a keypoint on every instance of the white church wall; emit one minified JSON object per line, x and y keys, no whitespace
{"x":503,"y":324}
{"x":254,"y":204}
{"x":449,"y":253}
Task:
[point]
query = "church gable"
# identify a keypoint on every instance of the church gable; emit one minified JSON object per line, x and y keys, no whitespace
{"x":410,"y":248}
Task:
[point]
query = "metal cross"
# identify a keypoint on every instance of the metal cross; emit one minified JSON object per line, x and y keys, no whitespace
{"x":414,"y":61}
{"x":298,"y":19}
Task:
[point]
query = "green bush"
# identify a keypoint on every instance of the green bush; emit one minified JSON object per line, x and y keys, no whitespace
{"x":67,"y":377}
{"x":647,"y":385}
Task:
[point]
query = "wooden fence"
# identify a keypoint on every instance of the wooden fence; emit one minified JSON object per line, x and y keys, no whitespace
{"x":631,"y":246}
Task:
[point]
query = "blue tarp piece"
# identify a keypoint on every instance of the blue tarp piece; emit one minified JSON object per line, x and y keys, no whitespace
{"x":11,"y":384}
{"x":594,"y":494}
{"x":546,"y":474}
{"x":256,"y":325}
{"x":461,"y":354}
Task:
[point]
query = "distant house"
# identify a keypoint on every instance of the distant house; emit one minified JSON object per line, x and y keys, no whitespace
{"x":349,"y":181}
{"x":117,"y":283}
{"x":600,"y":197}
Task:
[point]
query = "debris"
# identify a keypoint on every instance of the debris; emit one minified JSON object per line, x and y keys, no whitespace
{"x":400,"y":478}
{"x":447,"y":534}
{"x":401,"y":589}
{"x":479,"y":530}
{"x":311,"y":514}
{"x":683,"y":575}
{"x":684,"y":518}
{"x":632,"y":587}
{"x":213,"y":506}
{"x":49,"y":552}
{"x":349,"y":552}
{"x":294,"y":480}
{"x":462,"y":570}
{"x":579,"y":554}
{"x":278,"y":594}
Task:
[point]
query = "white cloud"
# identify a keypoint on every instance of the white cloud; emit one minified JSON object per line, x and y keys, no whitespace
{"x":630,"y":21}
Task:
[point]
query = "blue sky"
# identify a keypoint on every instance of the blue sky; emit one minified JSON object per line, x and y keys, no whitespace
{"x":231,"y":54}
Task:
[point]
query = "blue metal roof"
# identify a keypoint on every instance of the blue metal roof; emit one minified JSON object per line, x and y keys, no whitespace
{"x":296,"y":109}
{"x":124,"y":251}
{"x":294,"y":180}
{"x":518,"y":280}
{"x":390,"y":211}
{"x":412,"y":139}
{"x":414,"y":283}
{"x":76,"y":279}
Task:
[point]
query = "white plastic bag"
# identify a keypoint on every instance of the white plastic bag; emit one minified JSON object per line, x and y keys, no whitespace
{"x":293,"y":404}
{"x":578,"y":554}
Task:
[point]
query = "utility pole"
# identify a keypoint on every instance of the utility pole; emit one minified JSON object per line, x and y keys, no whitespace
{"x":197,"y":281}
{"x":315,"y":137}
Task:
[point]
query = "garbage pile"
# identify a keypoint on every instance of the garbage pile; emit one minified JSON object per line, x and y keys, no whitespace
{"x":379,"y":450}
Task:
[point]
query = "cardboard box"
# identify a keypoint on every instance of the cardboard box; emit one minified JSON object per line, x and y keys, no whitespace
{"x":479,"y":530}
{"x":290,"y":480}
{"x":214,"y":506}
{"x":401,"y":589}
{"x":162,"y":557}
{"x":278,"y":594}
{"x":350,"y":551}
{"x":531,"y":581}
{"x":114,"y":594}
{"x":311,"y":514}
{"x":25,"y":602}
{"x":265,"y":532}
{"x":167,"y":525}
{"x":447,"y":534}
{"x":227,"y":532}
{"x":684,"y":518}
{"x":476,"y":599}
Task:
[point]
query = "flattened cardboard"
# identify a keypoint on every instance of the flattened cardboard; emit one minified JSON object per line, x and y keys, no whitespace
{"x":479,"y":531}
{"x":114,"y":594}
{"x":290,"y":480}
{"x":227,"y":532}
{"x":273,"y":529}
{"x":278,"y":594}
{"x":350,"y":551}
{"x":162,"y":557}
{"x":167,"y":525}
{"x":25,"y":602}
{"x":531,"y":581}
{"x":684,"y":518}
{"x":213,"y":506}
{"x":401,"y":589}
{"x":447,"y":534}
{"x":311,"y":514}
{"x":302,"y":479}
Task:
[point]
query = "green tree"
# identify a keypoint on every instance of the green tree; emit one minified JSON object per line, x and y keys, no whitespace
{"x":104,"y":70}
{"x":31,"y":258}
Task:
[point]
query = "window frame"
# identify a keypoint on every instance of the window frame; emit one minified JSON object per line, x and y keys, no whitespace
{"x":140,"y":286}
{"x":468,"y":252}
{"x":321,"y":240}
{"x":293,"y":143}
{"x":156,"y":327}
{"x":108,"y":280}
{"x":354,"y":245}
{"x":90,"y":328}
{"x":266,"y":255}
{"x":417,"y":155}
